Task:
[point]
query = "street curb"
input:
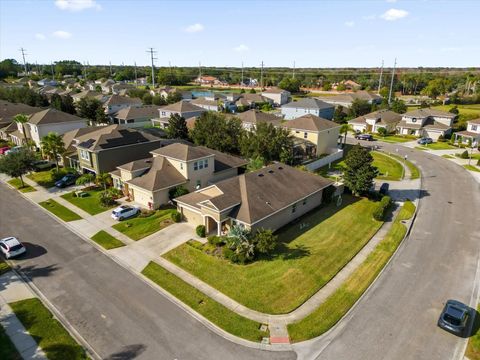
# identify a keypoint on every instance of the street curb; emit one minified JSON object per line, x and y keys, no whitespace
{"x":207,"y":323}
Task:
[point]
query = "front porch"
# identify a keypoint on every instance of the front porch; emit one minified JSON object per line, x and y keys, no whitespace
{"x":214,"y":227}
{"x":467,"y":137}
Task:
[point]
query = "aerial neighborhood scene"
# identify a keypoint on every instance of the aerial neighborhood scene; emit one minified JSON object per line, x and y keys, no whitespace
{"x":239,"y":180}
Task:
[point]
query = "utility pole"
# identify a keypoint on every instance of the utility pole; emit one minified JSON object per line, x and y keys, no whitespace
{"x":199,"y":71}
{"x":241,"y":83}
{"x":110,"y":63}
{"x":152,"y":58}
{"x":135,"y":69}
{"x":391,"y":83}
{"x":293,"y":74}
{"x":261,"y":77}
{"x":84,"y":70}
{"x":380,"y":80}
{"x":24,"y":62}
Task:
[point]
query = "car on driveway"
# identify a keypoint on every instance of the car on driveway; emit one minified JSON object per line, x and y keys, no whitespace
{"x":42,"y":165}
{"x":4,"y":149}
{"x":124,"y":212}
{"x":67,"y":180}
{"x":13,"y":150}
{"x":454,"y":317}
{"x":11,"y":247}
{"x":366,"y":137}
{"x":425,"y":141}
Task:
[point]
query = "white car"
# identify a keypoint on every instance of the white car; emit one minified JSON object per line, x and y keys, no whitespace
{"x":124,"y":211}
{"x":11,"y":247}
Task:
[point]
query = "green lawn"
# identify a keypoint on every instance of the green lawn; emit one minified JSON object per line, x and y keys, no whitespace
{"x":437,"y":146}
{"x":388,"y":168}
{"x":201,"y":303}
{"x":91,"y":203}
{"x":43,"y":178}
{"x":4,"y":267}
{"x":338,"y":304}
{"x":17,"y":184}
{"x":446,"y":156}
{"x":49,"y":334}
{"x":139,"y":227}
{"x":472,"y":168}
{"x":303,"y":262}
{"x":7,"y":349}
{"x":393,"y":138}
{"x":474,"y":156}
{"x":59,"y":210}
{"x":414,"y":170}
{"x":106,"y":240}
{"x":473,"y":347}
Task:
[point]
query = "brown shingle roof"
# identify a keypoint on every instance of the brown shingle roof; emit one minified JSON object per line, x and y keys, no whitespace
{"x":254,"y":116}
{"x":161,"y":175}
{"x":120,"y":100}
{"x":182,"y":106}
{"x":52,"y":116}
{"x":137,"y":164}
{"x":310,"y":122}
{"x":384,"y":116}
{"x":8,"y":110}
{"x":182,"y":152}
{"x":203,"y":101}
{"x":308,"y":103}
{"x":274,"y":90}
{"x":427,"y":112}
{"x":134,"y":112}
{"x":69,"y":136}
{"x":474,"y":121}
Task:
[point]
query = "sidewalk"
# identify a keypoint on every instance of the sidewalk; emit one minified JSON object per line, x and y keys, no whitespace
{"x":13,"y":289}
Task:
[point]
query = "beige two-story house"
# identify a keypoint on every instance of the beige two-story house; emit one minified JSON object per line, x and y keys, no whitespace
{"x":471,"y":134}
{"x":183,"y":108}
{"x":373,"y":121}
{"x":426,"y":123}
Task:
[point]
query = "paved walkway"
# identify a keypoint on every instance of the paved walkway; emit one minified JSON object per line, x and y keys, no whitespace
{"x":13,"y":289}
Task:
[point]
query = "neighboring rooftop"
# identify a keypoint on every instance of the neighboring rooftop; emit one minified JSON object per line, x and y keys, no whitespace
{"x":52,"y":116}
{"x":308,"y":103}
{"x":383,"y":116}
{"x":122,"y":100}
{"x":274,"y":90}
{"x":474,"y":121}
{"x":8,"y":110}
{"x":135,"y":111}
{"x":182,"y":107}
{"x":255,"y":116}
{"x":427,"y":112}
{"x":310,"y":122}
{"x":350,"y":97}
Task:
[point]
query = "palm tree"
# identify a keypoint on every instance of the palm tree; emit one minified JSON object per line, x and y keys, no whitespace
{"x":22,"y":119}
{"x":53,"y":146}
{"x":103,"y":179}
{"x":344,"y":130}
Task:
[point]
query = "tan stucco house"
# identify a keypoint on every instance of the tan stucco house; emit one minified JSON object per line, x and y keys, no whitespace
{"x":267,"y":198}
{"x":277,"y":95}
{"x":378,"y":119}
{"x":426,"y":123}
{"x":183,"y":108}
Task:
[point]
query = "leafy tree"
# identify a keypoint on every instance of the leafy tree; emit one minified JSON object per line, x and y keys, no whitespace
{"x":85,"y":179}
{"x":52,"y":146}
{"x":398,"y":106}
{"x":100,"y":116}
{"x":62,"y":103}
{"x":17,"y":164}
{"x":339,"y":115}
{"x":158,"y":100}
{"x":147,"y":99}
{"x":255,"y":163}
{"x":92,"y":109}
{"x":265,"y":241}
{"x":327,"y":86}
{"x":382,"y":131}
{"x":384,"y":92}
{"x":22,"y":119}
{"x":177,"y":127}
{"x":177,"y":191}
{"x":290,"y":84}
{"x":252,"y":91}
{"x":341,"y":87}
{"x":359,"y":171}
{"x":104,"y":180}
{"x":454,"y":110}
{"x":359,"y":107}
{"x":9,"y":67}
{"x":344,"y":129}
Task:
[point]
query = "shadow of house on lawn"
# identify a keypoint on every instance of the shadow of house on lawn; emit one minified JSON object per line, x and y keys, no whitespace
{"x":64,"y":351}
{"x":128,"y":352}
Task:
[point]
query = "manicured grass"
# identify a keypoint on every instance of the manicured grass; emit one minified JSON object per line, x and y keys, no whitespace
{"x":7,"y":349}
{"x":472,"y":168}
{"x":474,"y":156}
{"x":446,"y":156}
{"x":49,"y":334}
{"x":338,"y":304}
{"x":473,"y":347}
{"x":59,"y":210}
{"x":43,"y":178}
{"x":392,"y":138}
{"x":415,"y":172}
{"x":17,"y":184}
{"x":91,"y":203}
{"x":204,"y":305}
{"x":139,"y":227}
{"x":437,"y":146}
{"x":303,"y":262}
{"x":388,"y":168}
{"x":106,"y":240}
{"x":4,"y":267}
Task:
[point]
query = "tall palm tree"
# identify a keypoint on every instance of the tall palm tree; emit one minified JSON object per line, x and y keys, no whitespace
{"x":22,"y":119}
{"x":344,"y":130}
{"x":53,"y":146}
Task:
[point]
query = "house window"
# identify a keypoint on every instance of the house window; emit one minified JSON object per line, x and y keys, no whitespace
{"x":474,"y":127}
{"x":200,"y":164}
{"x":304,"y":202}
{"x":195,"y":166}
{"x":305,"y":135}
{"x":294,"y":208}
{"x":84,"y":155}
{"x":129,"y":121}
{"x":205,"y":163}
{"x":164,"y":113}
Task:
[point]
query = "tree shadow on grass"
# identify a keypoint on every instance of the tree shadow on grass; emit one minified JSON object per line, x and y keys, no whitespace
{"x":128,"y":352}
{"x":64,"y":351}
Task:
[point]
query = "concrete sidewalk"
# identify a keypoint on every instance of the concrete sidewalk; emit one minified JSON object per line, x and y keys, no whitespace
{"x":13,"y":289}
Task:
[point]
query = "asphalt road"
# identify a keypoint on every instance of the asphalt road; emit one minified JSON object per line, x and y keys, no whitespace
{"x":119,"y":315}
{"x":397,"y":319}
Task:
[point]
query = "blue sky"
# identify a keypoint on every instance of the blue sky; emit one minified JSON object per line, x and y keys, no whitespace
{"x":225,"y":33}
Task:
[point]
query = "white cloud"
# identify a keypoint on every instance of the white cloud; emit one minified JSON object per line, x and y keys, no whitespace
{"x":241,"y":48}
{"x":394,"y":14}
{"x":350,"y":23}
{"x":77,"y":5}
{"x":40,"y":36}
{"x":391,"y":1}
{"x":61,"y":34}
{"x":194,"y":28}
{"x":369,"y":17}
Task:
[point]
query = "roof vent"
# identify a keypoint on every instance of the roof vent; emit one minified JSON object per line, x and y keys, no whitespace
{"x":270,"y":171}
{"x":260,"y":175}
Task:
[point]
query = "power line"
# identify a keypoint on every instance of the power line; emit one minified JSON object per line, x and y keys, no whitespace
{"x":152,"y":53}
{"x":391,"y":83}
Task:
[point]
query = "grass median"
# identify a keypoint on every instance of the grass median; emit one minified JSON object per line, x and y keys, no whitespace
{"x":218,"y":314}
{"x":414,"y":171}
{"x":473,"y":347}
{"x":472,"y":168}
{"x":90,"y":203}
{"x":106,"y":240}
{"x":49,"y":334}
{"x":7,"y":349}
{"x":388,"y":168}
{"x":59,"y":210}
{"x":4,"y":267}
{"x":17,"y":184}
{"x":341,"y":301}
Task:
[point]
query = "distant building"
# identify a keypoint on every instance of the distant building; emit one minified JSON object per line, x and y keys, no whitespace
{"x":279,"y":96}
{"x":378,"y":119}
{"x":471,"y":134}
{"x":115,"y":103}
{"x":182,"y":108}
{"x":347,"y":99}
{"x":307,"y":106}
{"x":136,"y":115}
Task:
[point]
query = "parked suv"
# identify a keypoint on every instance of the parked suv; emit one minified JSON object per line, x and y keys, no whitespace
{"x":124,"y":211}
{"x":42,"y":165}
{"x":67,"y":180}
{"x":11,"y":247}
{"x":366,"y":137}
{"x":424,"y":141}
{"x":454,"y":317}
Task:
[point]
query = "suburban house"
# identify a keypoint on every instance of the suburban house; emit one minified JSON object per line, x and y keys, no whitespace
{"x":148,"y":181}
{"x":8,"y":111}
{"x":318,"y":136}
{"x":207,"y":80}
{"x":107,"y":147}
{"x":426,"y":123}
{"x":248,"y":100}
{"x":136,"y":116}
{"x":253,"y":117}
{"x":252,"y":200}
{"x":121,"y":88}
{"x":347,"y":99}
{"x":45,"y":121}
{"x":279,"y":96}
{"x":471,"y":134}
{"x":349,"y":85}
{"x":182,"y":108}
{"x":70,"y":157}
{"x":47,"y":82}
{"x":115,"y":103}
{"x":87,"y":94}
{"x":107,"y":86}
{"x":378,"y":119}
{"x":306,"y":106}
{"x":204,"y":103}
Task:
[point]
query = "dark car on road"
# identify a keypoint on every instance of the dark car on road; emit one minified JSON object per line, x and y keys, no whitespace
{"x":425,"y":141}
{"x":455,"y":317}
{"x":366,"y":137}
{"x":67,"y":180}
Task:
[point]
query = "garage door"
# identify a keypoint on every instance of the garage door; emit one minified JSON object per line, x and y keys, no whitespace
{"x":192,"y":217}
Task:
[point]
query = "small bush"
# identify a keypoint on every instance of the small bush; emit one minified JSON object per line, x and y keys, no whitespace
{"x":106,"y":199}
{"x":200,"y":230}
{"x":146,"y":213}
{"x":327,"y":194}
{"x":464,"y":155}
{"x":228,"y":253}
{"x":381,"y":210}
{"x":441,"y":138}
{"x":176,"y":216}
{"x":57,"y":175}
{"x":177,"y":191}
{"x":216,"y":240}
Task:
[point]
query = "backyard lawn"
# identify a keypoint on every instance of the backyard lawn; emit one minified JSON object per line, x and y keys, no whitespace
{"x":139,"y":227}
{"x":59,"y":210}
{"x":201,"y":303}
{"x":106,"y":240}
{"x":388,"y":168}
{"x":43,"y":178}
{"x":303,"y":262}
{"x":49,"y":334}
{"x":17,"y":184}
{"x":91,"y":203}
{"x":7,"y":349}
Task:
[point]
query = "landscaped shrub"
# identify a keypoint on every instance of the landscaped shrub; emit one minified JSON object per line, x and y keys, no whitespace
{"x":200,"y":230}
{"x":228,"y":253}
{"x":177,"y":191}
{"x":106,"y":199}
{"x":382,"y":207}
{"x":441,"y":138}
{"x":57,"y":175}
{"x":146,"y":213}
{"x":176,"y":216}
{"x":115,"y":193}
{"x":265,"y":241}
{"x":327,"y":194}
{"x":216,"y":240}
{"x":464,"y":155}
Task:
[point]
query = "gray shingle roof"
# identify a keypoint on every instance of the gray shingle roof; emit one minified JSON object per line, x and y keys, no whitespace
{"x":310,"y":122}
{"x":308,"y":103}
